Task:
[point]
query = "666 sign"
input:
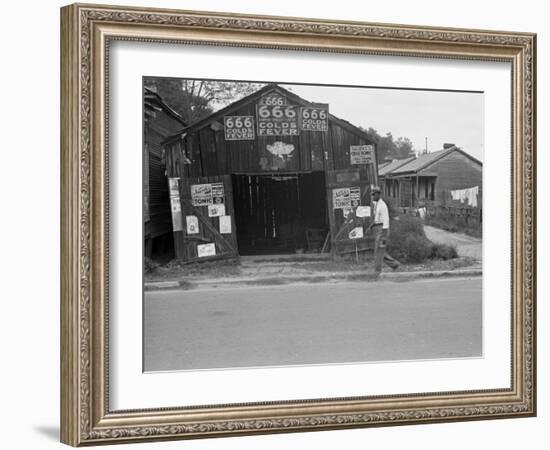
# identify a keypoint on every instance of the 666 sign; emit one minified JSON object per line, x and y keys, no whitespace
{"x":277,"y":120}
{"x":314,"y":118}
{"x":239,"y":128}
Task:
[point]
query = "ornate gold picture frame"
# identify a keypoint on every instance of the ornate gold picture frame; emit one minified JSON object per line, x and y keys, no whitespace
{"x":87,"y":31}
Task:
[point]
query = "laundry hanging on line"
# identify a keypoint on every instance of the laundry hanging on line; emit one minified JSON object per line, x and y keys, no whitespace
{"x":468,"y":195}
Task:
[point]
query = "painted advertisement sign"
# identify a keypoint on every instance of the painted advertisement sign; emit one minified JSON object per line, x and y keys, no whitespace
{"x":218,"y":193}
{"x":314,"y":118}
{"x":238,"y":128}
{"x":355,"y":196}
{"x":361,"y":154}
{"x":216,"y":210}
{"x":341,"y":198}
{"x":356,"y":233}
{"x":346,"y":198}
{"x":275,"y":117}
{"x":175,"y":204}
{"x":206,"y":250}
{"x":192,"y":223}
{"x":225,"y":224}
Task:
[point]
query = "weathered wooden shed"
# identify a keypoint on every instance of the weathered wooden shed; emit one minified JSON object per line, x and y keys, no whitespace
{"x":160,"y":121}
{"x":429,"y":179}
{"x":284,"y":170}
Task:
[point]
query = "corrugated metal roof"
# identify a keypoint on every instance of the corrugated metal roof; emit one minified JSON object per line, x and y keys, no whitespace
{"x":395,"y":164}
{"x":422,"y":161}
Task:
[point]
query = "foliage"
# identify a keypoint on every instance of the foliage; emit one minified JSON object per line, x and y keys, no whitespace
{"x":408,"y":242}
{"x":390,"y":148}
{"x":196,"y":99}
{"x":455,"y":224}
{"x":149,"y":266}
{"x":443,"y":251}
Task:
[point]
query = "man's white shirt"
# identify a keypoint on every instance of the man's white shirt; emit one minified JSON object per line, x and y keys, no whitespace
{"x":381,"y":214}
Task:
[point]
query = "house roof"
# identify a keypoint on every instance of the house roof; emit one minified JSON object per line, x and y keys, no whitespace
{"x":255,"y":95}
{"x":427,"y":159}
{"x":154,"y":102}
{"x":393,"y":165}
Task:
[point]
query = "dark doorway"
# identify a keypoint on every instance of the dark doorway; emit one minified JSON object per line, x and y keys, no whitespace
{"x":280,"y":213}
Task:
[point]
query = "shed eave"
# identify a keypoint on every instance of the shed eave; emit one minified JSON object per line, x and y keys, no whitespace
{"x":270,"y":87}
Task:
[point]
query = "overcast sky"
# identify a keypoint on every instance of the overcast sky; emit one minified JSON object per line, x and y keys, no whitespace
{"x":455,"y":117}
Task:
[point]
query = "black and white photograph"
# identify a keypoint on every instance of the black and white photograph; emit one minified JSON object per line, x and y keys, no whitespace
{"x":305,"y":224}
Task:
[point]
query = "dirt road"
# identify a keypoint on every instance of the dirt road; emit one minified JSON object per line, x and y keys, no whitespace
{"x":465,"y":245}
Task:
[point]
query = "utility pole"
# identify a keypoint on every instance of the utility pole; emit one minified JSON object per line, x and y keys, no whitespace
{"x":426,"y":147}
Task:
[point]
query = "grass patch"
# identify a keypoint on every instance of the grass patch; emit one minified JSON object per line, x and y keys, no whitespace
{"x":409,"y":245}
{"x":176,"y":269}
{"x":454,"y":224}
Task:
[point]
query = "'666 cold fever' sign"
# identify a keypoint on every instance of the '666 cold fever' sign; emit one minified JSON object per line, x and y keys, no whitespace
{"x":275,"y":117}
{"x":238,"y":128}
{"x":314,"y":118}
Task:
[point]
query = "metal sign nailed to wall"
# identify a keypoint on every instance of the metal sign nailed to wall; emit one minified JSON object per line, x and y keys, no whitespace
{"x":361,"y":154}
{"x":272,"y":99}
{"x":218,"y":193}
{"x":238,"y":128}
{"x":207,"y":194}
{"x":277,"y":120}
{"x":204,"y":250}
{"x":346,"y":198}
{"x":314,"y":118}
{"x":341,"y":198}
{"x":175,"y":204}
{"x":201,"y":194}
{"x":355,"y":196}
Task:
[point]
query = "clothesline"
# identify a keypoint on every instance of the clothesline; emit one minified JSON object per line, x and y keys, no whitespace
{"x":468,"y":195}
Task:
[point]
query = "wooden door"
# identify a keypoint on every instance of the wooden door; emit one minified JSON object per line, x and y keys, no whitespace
{"x":347,"y":190}
{"x":208,"y":219}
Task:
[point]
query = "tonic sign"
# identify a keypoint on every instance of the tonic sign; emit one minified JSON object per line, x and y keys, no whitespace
{"x":314,"y":118}
{"x":201,"y":194}
{"x":341,"y":198}
{"x":238,"y":128}
{"x":346,"y":198}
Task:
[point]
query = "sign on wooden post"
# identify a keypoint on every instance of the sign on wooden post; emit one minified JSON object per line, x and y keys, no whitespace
{"x":361,"y":154}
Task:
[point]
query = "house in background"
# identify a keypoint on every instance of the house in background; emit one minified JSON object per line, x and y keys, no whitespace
{"x":160,"y":121}
{"x":430,"y":178}
{"x":390,"y":187}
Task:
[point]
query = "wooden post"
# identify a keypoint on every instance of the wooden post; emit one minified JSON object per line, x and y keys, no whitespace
{"x":417,"y":193}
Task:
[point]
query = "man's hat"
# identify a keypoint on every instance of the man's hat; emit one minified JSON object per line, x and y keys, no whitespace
{"x":376,"y":189}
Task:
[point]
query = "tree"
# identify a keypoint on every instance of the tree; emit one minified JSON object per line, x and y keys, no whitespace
{"x":196,"y":99}
{"x":404,"y":147}
{"x":388,"y":148}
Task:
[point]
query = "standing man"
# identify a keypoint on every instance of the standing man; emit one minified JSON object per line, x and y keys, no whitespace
{"x":381,"y":228}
